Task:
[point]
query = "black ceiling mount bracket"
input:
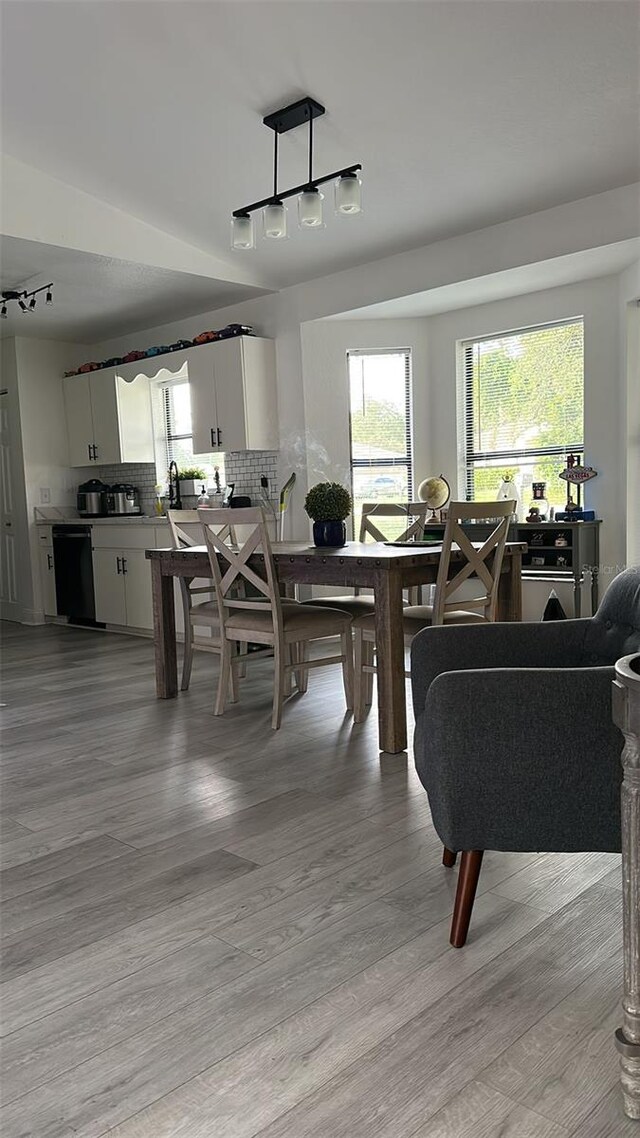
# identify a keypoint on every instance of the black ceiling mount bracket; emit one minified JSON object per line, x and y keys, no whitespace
{"x":296,"y":114}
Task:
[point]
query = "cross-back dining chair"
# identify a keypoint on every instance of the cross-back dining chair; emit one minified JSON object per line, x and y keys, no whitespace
{"x":261,"y":616}
{"x":413,"y":515}
{"x":461,"y":561}
{"x":186,"y":531}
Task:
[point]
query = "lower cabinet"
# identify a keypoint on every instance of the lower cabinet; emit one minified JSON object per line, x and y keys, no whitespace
{"x":122,"y":584}
{"x":48,"y":581}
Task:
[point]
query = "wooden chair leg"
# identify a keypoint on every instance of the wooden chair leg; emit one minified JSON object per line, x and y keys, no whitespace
{"x":233,"y":670}
{"x":302,"y":674}
{"x":359,"y":704}
{"x":368,"y":656}
{"x":187,"y":659}
{"x":347,"y":668}
{"x":243,"y":651}
{"x":468,"y":874}
{"x":224,"y":678}
{"x":448,"y":857}
{"x":279,"y":682}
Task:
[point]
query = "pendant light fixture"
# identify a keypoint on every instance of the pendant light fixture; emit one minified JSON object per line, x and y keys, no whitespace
{"x":310,"y":199}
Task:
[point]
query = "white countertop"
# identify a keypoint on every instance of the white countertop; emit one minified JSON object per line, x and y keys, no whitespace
{"x":57,"y":515}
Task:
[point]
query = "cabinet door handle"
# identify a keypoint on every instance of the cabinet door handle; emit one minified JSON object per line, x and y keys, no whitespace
{"x":118,"y":564}
{"x":49,"y":561}
{"x":219,"y":437}
{"x":95,"y":453}
{"x":124,"y":565}
{"x":89,"y":449}
{"x":213,"y":436}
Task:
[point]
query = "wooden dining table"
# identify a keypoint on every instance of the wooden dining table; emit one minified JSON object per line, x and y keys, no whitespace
{"x":386,"y":569}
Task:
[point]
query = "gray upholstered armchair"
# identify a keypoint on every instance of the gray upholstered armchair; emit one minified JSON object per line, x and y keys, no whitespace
{"x":514,"y":742}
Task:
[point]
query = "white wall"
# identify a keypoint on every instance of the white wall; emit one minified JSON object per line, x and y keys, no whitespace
{"x":16,"y":593}
{"x":598,"y":302}
{"x":630,"y":422}
{"x":45,"y":458}
{"x":326,"y":393}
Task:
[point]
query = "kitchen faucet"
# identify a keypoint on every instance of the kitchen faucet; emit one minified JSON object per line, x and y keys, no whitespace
{"x":175,"y":501}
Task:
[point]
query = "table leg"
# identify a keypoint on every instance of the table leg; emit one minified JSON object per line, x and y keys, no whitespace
{"x":164,"y":633}
{"x":510,"y":589}
{"x":577,"y":595}
{"x":392,"y":709}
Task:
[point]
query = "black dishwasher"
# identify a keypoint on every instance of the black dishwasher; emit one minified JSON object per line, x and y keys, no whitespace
{"x":74,"y":573}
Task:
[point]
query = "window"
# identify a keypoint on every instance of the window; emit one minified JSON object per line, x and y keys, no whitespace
{"x":523,"y":409}
{"x":176,"y":432}
{"x":176,"y":408}
{"x":380,"y":415}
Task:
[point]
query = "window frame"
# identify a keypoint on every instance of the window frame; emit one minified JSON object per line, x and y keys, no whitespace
{"x":168,"y":415}
{"x":391,"y":463}
{"x":471,"y":458}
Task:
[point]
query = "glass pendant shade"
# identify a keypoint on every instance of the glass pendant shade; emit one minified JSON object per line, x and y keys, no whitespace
{"x":275,"y":220}
{"x":310,"y":209}
{"x":348,"y":194}
{"x":242,"y":232}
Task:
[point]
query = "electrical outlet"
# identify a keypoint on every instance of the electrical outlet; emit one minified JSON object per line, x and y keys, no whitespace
{"x":45,"y":496}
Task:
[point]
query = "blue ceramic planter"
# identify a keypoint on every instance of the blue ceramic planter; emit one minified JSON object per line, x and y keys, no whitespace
{"x":330,"y":533}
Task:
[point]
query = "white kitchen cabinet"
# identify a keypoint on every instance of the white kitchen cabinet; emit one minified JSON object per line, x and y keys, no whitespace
{"x":233,"y":395}
{"x":108,"y":416}
{"x":122,"y":575}
{"x":109,"y":587}
{"x":48,"y":581}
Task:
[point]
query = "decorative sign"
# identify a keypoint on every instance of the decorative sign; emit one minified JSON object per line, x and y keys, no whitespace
{"x":575,"y":472}
{"x":578,"y":474}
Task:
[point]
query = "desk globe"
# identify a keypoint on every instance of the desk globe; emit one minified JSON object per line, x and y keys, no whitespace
{"x":435,"y":492}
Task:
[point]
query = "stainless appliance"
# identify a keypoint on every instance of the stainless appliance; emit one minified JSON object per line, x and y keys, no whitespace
{"x":91,"y":499}
{"x":123,"y":500}
{"x":73,"y":567}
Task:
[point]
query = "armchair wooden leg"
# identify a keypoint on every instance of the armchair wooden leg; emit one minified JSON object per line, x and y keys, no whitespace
{"x":448,"y":857}
{"x":224,"y":679}
{"x":470,"y":865}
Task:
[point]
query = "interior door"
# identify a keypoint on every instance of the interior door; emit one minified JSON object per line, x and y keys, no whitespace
{"x":229,"y":378}
{"x":108,"y":584}
{"x":77,"y":406}
{"x":137,"y":585}
{"x":10,"y":607}
{"x":104,"y":406}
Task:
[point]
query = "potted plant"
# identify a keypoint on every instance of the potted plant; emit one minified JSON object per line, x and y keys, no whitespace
{"x":328,"y":504}
{"x":191,"y":481}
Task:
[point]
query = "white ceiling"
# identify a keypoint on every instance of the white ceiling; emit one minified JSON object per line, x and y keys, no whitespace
{"x":463,"y":113}
{"x":95,"y":298}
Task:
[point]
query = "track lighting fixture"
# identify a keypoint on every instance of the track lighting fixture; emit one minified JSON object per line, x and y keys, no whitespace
{"x":348,"y":185}
{"x":21,"y":295}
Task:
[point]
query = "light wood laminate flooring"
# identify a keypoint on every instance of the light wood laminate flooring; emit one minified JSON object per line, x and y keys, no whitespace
{"x":211,"y":930}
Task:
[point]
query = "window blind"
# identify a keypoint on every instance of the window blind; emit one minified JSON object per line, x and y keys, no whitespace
{"x":380,"y":405}
{"x":523,"y":398}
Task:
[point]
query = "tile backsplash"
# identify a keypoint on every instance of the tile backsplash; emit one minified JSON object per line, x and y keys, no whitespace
{"x":243,"y":468}
{"x":140,"y":474}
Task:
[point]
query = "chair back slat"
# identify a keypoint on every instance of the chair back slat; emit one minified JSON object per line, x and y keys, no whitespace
{"x":482,"y":560}
{"x":414,"y":512}
{"x":186,"y":529}
{"x":415,"y":515}
{"x":229,"y":562}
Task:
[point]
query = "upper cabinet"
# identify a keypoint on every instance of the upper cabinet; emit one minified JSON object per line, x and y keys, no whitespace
{"x":233,"y":402}
{"x":233,"y":395}
{"x":108,"y":417}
